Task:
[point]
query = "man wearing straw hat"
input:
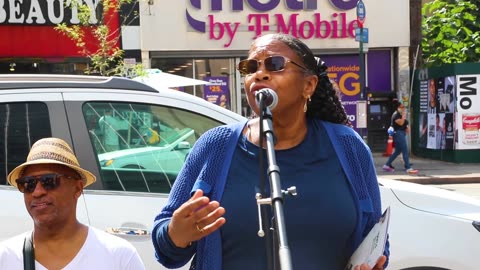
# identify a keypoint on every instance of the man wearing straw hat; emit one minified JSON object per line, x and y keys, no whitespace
{"x":51,"y":181}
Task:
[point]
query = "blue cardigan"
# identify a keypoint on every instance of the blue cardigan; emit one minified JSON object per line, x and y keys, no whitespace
{"x":207,"y":168}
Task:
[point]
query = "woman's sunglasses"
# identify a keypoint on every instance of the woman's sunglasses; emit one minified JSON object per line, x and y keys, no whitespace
{"x":50,"y":181}
{"x":274,"y":63}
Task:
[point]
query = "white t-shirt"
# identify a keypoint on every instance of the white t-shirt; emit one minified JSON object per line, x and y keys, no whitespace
{"x":100,"y":251}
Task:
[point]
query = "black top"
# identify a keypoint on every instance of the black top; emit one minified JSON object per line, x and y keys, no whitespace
{"x":396,"y":115}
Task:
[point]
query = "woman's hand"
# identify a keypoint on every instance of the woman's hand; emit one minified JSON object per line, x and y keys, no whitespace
{"x":195,"y":219}
{"x":379,"y":266}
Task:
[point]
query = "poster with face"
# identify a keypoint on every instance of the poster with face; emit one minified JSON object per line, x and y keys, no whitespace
{"x":432,"y":96}
{"x":438,"y":124}
{"x":217,"y":91}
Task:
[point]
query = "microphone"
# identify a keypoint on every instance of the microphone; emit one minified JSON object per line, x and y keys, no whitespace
{"x":269,"y":97}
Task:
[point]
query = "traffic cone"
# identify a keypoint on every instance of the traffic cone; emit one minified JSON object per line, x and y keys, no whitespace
{"x":389,"y":149}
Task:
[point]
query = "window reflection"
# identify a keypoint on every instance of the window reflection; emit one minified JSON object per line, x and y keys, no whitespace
{"x":22,"y":124}
{"x":142,"y":147}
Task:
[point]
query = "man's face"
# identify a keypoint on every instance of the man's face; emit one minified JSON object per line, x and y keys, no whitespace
{"x":56,"y":206}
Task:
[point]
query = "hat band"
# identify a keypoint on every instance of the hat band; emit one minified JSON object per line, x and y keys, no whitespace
{"x":59,"y":145}
{"x":53,"y":156}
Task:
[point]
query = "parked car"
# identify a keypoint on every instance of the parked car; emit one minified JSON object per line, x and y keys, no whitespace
{"x":429,"y":228}
{"x":167,"y":155}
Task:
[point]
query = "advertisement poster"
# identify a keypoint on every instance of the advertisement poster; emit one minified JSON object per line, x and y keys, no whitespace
{"x":435,"y":86}
{"x":441,"y":132}
{"x":423,"y":130}
{"x":437,"y":111}
{"x":345,"y":71}
{"x":432,"y":131}
{"x":449,"y":130}
{"x":468,"y":111}
{"x":446,"y":97}
{"x":424,"y":96}
{"x":217,"y":91}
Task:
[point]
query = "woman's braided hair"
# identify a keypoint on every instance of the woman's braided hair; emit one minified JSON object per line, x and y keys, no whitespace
{"x":325,"y":102}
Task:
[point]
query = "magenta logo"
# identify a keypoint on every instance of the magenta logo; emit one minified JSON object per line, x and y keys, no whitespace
{"x":259,"y":23}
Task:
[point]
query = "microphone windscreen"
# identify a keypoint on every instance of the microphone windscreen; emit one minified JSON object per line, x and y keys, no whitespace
{"x":269,"y":97}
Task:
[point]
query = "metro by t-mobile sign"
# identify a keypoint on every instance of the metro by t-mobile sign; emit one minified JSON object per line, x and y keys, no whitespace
{"x":319,"y":27}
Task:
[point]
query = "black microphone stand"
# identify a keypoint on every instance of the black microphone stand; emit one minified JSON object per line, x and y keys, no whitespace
{"x":277,"y":195}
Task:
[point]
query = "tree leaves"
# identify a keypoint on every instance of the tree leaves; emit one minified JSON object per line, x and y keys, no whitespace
{"x":451,"y":32}
{"x":106,"y":58}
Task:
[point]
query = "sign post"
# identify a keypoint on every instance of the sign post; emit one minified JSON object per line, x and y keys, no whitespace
{"x":361,"y":122}
{"x":361,"y":14}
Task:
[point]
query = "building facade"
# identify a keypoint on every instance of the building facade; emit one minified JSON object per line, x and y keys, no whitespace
{"x":30,"y":43}
{"x":206,"y":39}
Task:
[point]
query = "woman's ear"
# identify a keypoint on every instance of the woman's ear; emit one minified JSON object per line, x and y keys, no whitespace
{"x":311,"y":82}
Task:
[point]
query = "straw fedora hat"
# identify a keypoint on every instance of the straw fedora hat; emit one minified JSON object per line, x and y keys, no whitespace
{"x":51,"y":151}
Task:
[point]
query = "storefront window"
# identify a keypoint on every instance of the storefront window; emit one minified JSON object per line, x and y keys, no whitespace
{"x":219,"y":72}
{"x":32,"y":66}
{"x":178,"y":66}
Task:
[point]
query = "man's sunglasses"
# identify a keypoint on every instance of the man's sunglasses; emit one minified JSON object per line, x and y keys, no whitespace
{"x":274,"y":63}
{"x":50,"y":181}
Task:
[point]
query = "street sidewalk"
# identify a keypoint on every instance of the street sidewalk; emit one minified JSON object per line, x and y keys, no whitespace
{"x":430,"y":171}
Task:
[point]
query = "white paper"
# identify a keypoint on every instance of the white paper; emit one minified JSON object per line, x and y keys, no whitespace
{"x":373,"y":246}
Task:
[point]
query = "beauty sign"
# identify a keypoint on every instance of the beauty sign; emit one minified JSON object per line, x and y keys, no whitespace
{"x":36,"y":12}
{"x":27,"y":28}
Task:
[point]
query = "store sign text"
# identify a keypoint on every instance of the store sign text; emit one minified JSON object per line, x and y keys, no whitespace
{"x":468,"y":92}
{"x":347,"y":78}
{"x":316,"y":27}
{"x":44,"y":12}
{"x":337,"y":27}
{"x":266,"y":6}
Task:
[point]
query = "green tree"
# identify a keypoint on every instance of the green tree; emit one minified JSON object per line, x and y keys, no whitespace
{"x":451,"y":32}
{"x":96,"y":40}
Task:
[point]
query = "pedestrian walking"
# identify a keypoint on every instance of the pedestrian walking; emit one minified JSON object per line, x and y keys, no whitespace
{"x":400,"y":130}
